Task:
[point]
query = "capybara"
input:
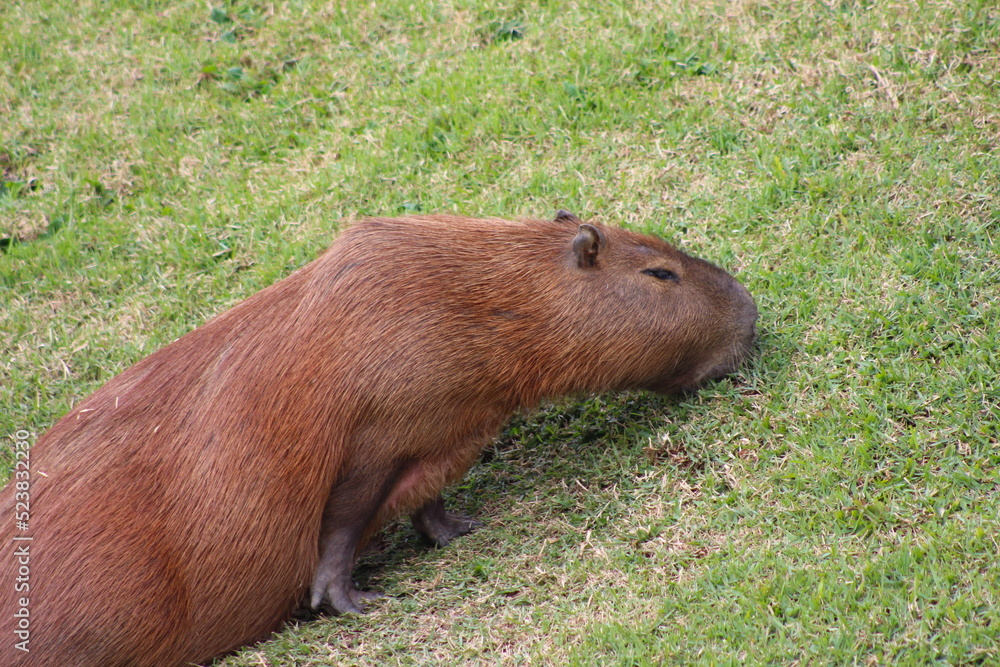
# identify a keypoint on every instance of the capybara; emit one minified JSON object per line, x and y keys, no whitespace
{"x":198,"y":499}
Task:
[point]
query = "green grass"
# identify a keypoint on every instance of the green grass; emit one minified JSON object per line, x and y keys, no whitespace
{"x":836,"y":503}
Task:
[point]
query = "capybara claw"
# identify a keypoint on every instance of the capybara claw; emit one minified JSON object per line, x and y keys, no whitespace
{"x":439,"y":526}
{"x":343,"y":600}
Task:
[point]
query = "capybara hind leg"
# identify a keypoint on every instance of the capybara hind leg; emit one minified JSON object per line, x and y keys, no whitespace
{"x":440,"y":526}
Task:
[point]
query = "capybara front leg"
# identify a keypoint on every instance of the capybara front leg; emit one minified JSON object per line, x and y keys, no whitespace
{"x":332,"y":585}
{"x":440,"y":526}
{"x":349,"y":512}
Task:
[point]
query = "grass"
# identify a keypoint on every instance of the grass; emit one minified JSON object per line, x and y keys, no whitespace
{"x":836,"y":503}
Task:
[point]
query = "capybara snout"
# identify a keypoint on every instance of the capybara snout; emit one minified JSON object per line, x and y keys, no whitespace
{"x":195,"y":501}
{"x":731,"y":340}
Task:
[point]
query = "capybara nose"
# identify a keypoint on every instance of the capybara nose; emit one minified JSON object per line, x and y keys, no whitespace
{"x":748,"y":317}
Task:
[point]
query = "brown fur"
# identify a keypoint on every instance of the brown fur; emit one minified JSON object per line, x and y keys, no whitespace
{"x":194,"y":501}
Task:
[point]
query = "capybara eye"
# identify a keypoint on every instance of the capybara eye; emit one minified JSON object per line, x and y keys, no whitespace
{"x":662,"y":274}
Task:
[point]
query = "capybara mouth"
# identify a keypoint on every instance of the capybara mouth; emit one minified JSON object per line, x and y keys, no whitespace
{"x":738,"y":357}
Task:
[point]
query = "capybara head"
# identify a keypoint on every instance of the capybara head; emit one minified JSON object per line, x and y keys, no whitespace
{"x":676,"y":320}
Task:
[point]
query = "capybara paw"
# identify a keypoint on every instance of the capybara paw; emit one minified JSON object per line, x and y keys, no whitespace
{"x":457,"y":525}
{"x":441,"y":528}
{"x":361,"y":597}
{"x":341,"y":598}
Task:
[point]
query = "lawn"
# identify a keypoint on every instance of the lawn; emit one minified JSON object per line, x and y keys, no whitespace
{"x":836,"y":502}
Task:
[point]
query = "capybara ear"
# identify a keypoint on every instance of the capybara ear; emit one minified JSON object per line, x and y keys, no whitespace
{"x":562,"y":215}
{"x":589,"y":242}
